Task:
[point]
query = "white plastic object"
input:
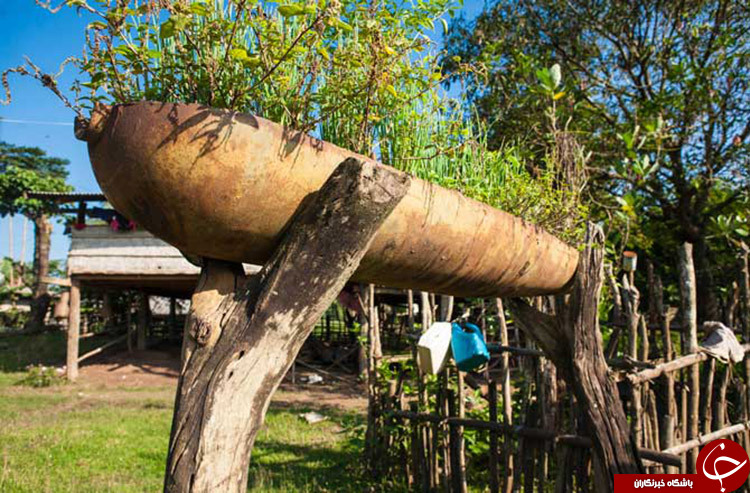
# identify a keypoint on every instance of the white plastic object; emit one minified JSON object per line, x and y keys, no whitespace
{"x":434,"y":347}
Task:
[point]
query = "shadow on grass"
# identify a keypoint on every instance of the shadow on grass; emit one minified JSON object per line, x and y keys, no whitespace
{"x":289,"y":467}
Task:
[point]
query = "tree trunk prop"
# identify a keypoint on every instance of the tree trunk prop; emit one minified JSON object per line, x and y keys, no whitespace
{"x":242,"y":334}
{"x":572,"y":340}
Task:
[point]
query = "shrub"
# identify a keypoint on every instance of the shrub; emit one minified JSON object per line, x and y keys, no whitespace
{"x":41,"y":376}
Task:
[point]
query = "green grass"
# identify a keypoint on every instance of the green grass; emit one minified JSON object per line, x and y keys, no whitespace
{"x":77,"y":438}
{"x":86,"y":438}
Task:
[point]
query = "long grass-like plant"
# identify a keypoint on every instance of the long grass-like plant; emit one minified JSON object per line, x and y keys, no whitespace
{"x":361,"y":74}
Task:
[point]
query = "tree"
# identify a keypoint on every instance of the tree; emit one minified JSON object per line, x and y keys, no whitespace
{"x":658,"y":91}
{"x":23,"y":169}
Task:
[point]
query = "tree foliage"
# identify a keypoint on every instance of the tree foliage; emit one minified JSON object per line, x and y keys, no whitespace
{"x":24,"y":169}
{"x":659,"y":92}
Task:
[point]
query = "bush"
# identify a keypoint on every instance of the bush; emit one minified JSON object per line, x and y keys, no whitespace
{"x":39,"y":376}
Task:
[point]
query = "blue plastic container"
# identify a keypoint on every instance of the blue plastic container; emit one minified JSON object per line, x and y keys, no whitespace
{"x":469,"y":349}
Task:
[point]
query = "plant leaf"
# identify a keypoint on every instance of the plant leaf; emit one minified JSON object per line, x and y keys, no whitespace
{"x":291,"y":10}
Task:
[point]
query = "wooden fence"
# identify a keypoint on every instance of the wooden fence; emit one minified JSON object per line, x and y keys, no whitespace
{"x":515,"y":426}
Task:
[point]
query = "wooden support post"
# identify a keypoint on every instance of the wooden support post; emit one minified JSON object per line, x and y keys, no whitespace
{"x":172,"y":317}
{"x":572,"y":340}
{"x":74,"y":327}
{"x":142,"y":324}
{"x":107,"y":311}
{"x":690,"y":328}
{"x":243,"y":334}
{"x":129,"y":322}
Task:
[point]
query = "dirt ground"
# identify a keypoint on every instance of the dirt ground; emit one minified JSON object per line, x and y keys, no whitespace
{"x":160,"y":368}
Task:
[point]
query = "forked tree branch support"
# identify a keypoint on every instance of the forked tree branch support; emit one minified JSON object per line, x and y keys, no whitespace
{"x":573,"y":342}
{"x":243,"y":334}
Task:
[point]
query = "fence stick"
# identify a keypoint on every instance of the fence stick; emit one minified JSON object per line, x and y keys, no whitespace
{"x":671,"y":366}
{"x":704,"y":439}
{"x":720,"y":416}
{"x":494,"y":459}
{"x":445,"y":442}
{"x":101,"y":348}
{"x":744,"y":316}
{"x":707,"y":394}
{"x":688,"y":298}
{"x":507,"y":396}
{"x":460,"y":430}
{"x":456,"y":481}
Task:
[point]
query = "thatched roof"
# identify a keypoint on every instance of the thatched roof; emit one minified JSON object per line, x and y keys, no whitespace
{"x":101,"y":257}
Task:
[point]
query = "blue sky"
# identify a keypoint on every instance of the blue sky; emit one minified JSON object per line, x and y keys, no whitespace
{"x":48,"y":39}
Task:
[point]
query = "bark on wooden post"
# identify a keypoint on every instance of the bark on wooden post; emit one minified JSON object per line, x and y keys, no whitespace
{"x":74,"y":327}
{"x":689,"y":310}
{"x":243,"y":335}
{"x":573,"y":341}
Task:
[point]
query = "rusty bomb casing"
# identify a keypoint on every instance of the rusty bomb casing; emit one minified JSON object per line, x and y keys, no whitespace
{"x":222,"y":184}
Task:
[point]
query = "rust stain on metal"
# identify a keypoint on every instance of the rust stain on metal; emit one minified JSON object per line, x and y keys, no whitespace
{"x":222,"y":184}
